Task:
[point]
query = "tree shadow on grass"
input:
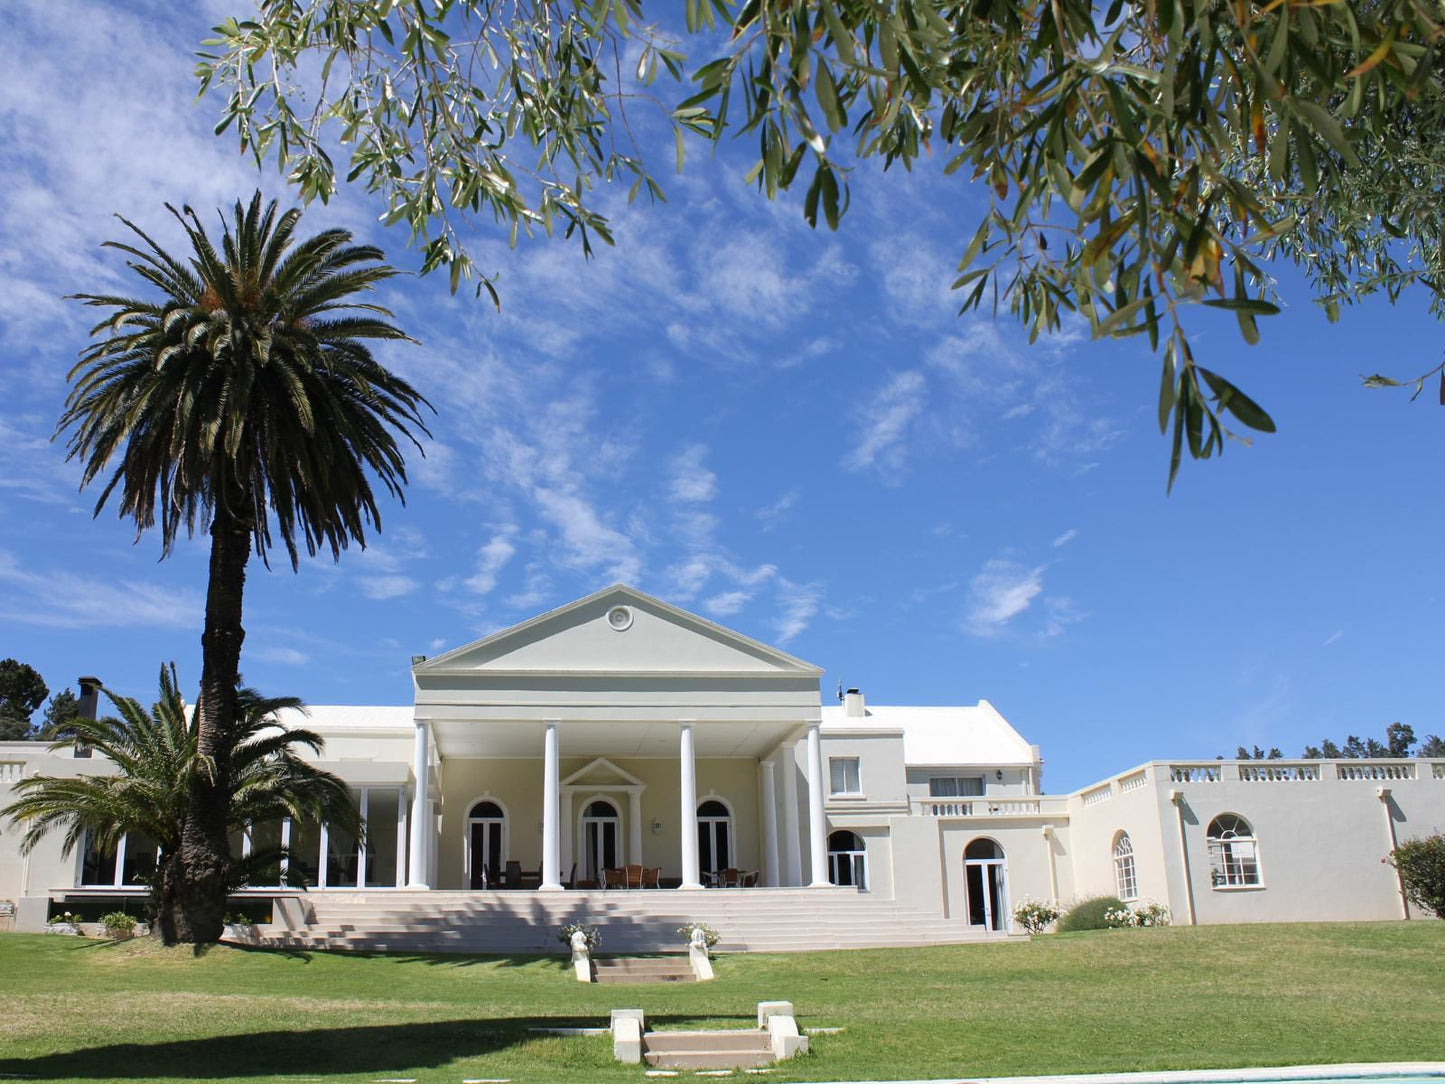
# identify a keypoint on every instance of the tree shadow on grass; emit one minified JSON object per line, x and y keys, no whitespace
{"x":377,"y":1049}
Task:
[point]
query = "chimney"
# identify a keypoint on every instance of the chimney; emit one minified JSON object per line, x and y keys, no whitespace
{"x":89,"y":706}
{"x":853,"y":704}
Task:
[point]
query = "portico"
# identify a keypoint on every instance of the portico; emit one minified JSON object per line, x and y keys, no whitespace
{"x":616,"y":730}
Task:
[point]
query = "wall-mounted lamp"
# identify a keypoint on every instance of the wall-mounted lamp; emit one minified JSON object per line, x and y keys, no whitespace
{"x":656,"y":827}
{"x":999,"y":775}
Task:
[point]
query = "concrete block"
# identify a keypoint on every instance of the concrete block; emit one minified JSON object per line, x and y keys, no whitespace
{"x":627,"y":1027}
{"x":701,"y":965}
{"x":30,"y":914}
{"x":773,"y":1008}
{"x":783,"y":1032}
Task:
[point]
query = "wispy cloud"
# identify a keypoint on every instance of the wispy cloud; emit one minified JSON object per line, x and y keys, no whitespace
{"x":799,"y":603}
{"x":1065,"y":538}
{"x":1001,"y":591}
{"x":283,"y":656}
{"x":884,"y":422}
{"x":61,"y":599}
{"x":691,"y":481}
{"x":1333,"y":638}
{"x":770,"y":516}
{"x":491,"y":559}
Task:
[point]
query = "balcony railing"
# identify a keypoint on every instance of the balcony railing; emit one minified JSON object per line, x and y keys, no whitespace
{"x":1305,"y":771}
{"x":988,"y":807}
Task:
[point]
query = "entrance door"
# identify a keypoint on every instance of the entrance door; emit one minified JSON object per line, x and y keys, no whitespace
{"x":484,"y":845}
{"x":986,"y":879}
{"x":601,"y":827}
{"x":847,"y":860}
{"x":714,"y":837}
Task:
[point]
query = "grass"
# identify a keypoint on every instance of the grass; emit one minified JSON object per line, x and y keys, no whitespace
{"x":1176,"y":998}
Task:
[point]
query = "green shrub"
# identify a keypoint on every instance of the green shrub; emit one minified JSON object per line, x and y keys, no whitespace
{"x":1421,"y":863}
{"x":1089,"y":914}
{"x":118,"y":925}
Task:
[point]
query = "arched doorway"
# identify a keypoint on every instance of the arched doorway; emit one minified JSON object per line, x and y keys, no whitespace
{"x":847,"y":860}
{"x":486,"y":843}
{"x":601,"y":829}
{"x":714,"y":836}
{"x":986,"y":879}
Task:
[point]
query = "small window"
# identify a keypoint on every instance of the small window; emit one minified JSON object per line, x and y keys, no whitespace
{"x":955,"y":786}
{"x":843,"y":775}
{"x":1126,"y":883}
{"x":1233,"y":852}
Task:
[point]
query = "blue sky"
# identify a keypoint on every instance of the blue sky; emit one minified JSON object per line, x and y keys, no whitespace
{"x":791,"y":432}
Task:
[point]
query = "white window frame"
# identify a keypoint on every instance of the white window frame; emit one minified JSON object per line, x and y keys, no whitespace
{"x":1233,"y":854}
{"x":1126,"y":873}
{"x":833,"y":790}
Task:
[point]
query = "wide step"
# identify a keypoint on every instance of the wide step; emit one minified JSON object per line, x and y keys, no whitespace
{"x":707,"y":1049}
{"x":634,"y":971}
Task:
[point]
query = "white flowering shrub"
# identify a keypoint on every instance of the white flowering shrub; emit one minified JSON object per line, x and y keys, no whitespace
{"x":1035,"y":916}
{"x":593,"y":935}
{"x":1148,"y":913}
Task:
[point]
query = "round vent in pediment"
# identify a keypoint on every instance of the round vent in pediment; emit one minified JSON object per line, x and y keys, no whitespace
{"x":620,"y":618}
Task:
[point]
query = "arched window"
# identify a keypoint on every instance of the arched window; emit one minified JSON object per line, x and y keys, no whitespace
{"x":847,"y":860}
{"x":486,"y":844}
{"x":714,"y":837}
{"x":1233,"y":852}
{"x":1125,"y":881}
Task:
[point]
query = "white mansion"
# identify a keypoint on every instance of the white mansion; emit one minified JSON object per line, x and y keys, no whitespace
{"x":619,"y":742}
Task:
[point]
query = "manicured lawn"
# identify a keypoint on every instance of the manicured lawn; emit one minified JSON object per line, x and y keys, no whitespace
{"x":1116,"y":1000}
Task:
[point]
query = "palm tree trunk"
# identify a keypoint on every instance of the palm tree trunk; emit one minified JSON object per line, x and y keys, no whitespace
{"x":199,"y":904}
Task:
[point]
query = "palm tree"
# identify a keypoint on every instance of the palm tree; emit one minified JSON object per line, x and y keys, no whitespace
{"x":241,"y":401}
{"x":157,"y":758}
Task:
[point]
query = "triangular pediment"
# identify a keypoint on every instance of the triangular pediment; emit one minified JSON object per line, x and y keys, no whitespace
{"x":618,"y":630}
{"x":602,"y":773}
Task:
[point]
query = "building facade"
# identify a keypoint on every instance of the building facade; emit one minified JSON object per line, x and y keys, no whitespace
{"x":620,"y":731}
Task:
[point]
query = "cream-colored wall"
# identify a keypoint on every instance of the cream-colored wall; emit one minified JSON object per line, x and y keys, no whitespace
{"x":45,"y":868}
{"x":1026,"y":858}
{"x":881,"y":773}
{"x":1092,"y":829}
{"x":516,"y":785}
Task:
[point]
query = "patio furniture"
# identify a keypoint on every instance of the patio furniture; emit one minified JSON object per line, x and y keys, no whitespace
{"x":750,"y":880}
{"x":513,"y":877}
{"x":614,"y":878}
{"x":532,"y":878}
{"x":731,"y":877}
{"x":634,"y":876}
{"x":651,"y":877}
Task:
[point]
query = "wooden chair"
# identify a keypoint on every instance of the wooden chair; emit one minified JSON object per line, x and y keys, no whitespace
{"x":634,"y":876}
{"x":614,"y":878}
{"x":652,"y":877}
{"x":750,"y":880}
{"x":731,"y":877}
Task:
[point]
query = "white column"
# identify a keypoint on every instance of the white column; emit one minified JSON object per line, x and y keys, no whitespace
{"x":634,"y":827}
{"x":551,"y":877}
{"x":690,"y":878}
{"x":286,"y":846}
{"x":420,"y":808}
{"x":817,"y":825}
{"x":401,"y":839}
{"x":358,"y":844}
{"x":564,"y":824}
{"x":792,"y":851}
{"x":770,"y":826}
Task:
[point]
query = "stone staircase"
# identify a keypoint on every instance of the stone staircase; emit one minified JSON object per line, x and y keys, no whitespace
{"x":638,"y":970}
{"x":707,"y":1049}
{"x":748,"y":920}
